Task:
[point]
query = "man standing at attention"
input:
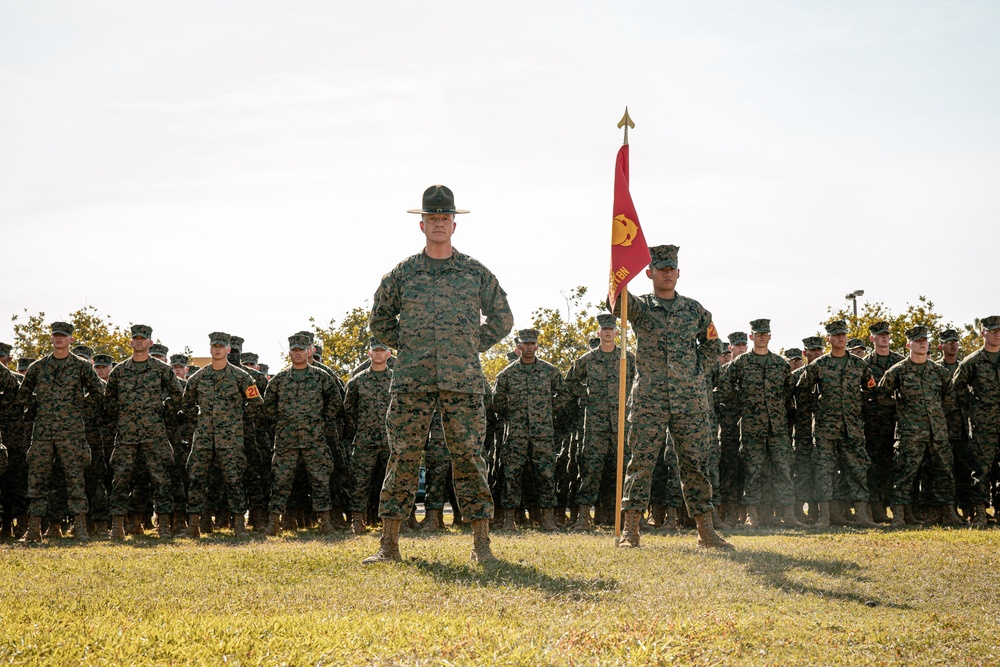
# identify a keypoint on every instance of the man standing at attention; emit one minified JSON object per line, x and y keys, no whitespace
{"x":676,"y":342}
{"x":430,"y":308}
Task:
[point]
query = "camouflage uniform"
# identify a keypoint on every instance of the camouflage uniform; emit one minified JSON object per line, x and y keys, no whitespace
{"x":730,"y":466}
{"x":135,"y":404}
{"x":365,"y":409}
{"x":220,"y":399}
{"x":958,"y":435}
{"x":60,"y":394}
{"x":299,"y":403}
{"x":839,"y":427}
{"x":256,"y":447}
{"x":529,"y":397}
{"x":977,"y":388}
{"x":14,"y":480}
{"x":437,"y":462}
{"x":429,"y":310}
{"x":880,"y":425}
{"x":762,"y":386}
{"x":802,"y":424}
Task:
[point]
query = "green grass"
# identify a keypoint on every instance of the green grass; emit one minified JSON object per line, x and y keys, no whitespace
{"x":926,"y":596}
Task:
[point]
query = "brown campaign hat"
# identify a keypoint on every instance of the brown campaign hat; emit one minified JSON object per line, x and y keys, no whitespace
{"x":438,"y":199}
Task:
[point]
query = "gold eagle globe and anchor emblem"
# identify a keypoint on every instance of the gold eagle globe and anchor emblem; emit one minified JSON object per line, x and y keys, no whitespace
{"x":623,"y":231}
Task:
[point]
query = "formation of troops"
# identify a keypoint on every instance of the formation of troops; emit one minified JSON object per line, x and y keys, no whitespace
{"x":720,"y":434}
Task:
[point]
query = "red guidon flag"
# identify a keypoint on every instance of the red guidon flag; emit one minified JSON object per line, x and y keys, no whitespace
{"x":629,"y":252}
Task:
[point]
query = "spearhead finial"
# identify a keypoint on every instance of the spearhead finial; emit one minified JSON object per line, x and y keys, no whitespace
{"x":626,"y":122}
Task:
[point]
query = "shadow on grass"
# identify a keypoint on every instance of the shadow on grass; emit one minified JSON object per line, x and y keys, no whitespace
{"x":773,"y":567}
{"x":507,"y":574}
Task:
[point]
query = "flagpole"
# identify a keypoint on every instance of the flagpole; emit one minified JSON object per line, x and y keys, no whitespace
{"x":625,"y":122}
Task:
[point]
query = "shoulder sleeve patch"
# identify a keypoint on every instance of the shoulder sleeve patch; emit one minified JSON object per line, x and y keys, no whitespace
{"x":871,"y":382}
{"x":252,"y":391}
{"x":713,"y":333}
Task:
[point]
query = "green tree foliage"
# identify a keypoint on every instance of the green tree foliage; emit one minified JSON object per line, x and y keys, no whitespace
{"x":345,"y":345}
{"x":922,"y":312}
{"x":32,"y":335}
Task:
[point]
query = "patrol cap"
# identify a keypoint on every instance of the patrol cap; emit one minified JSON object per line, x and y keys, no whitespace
{"x":662,"y":256}
{"x":606,"y":321}
{"x":438,"y":199}
{"x":236,"y":343}
{"x":793,"y":353}
{"x":23,"y":363}
{"x":760,"y":326}
{"x":594,"y":342}
{"x":179,"y":360}
{"x":813,"y":343}
{"x":249,"y":357}
{"x":192,"y":369}
{"x":725,"y":348}
{"x":991,"y":322}
{"x":5,"y":349}
{"x":61,"y":329}
{"x":264,"y":368}
{"x":104,"y":360}
{"x":855,"y":343}
{"x":528,"y":335}
{"x":84,"y":352}
{"x":219,"y":338}
{"x":298,"y":342}
{"x":375,"y":344}
{"x":319,"y":348}
{"x":308,"y":334}
{"x":916,"y":333}
{"x":878,"y":328}
{"x":836,"y":327}
{"x":948,"y":335}
{"x":512,"y":356}
{"x":737,"y":337}
{"x":158,"y":349}
{"x":142,"y":331}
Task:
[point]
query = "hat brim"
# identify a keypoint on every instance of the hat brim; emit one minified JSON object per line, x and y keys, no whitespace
{"x":422,"y":212}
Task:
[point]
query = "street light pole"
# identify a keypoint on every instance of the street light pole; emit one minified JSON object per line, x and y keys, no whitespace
{"x":853,"y":298}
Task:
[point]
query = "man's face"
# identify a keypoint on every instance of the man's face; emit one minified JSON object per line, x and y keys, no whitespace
{"x":881,"y":341}
{"x":378,"y":355}
{"x":761,"y":340}
{"x":102,"y":371}
{"x":812,"y":354}
{"x":299,"y":356}
{"x":61,"y":342}
{"x":737,"y":349}
{"x":664,"y":279}
{"x":437,"y":227}
{"x":991,"y":337}
{"x":795,"y":364}
{"x":140,"y":344}
{"x":181,"y":371}
{"x":919,"y":347}
{"x":725,"y":357}
{"x":528,"y":350}
{"x":857,"y":351}
{"x":837,"y":341}
{"x":949,"y":348}
{"x":607,"y":335}
{"x":219,"y":352}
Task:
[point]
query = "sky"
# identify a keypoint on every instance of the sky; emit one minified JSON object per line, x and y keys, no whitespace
{"x":244,"y":166}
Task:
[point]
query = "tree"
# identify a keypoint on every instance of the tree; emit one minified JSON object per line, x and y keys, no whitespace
{"x":32,"y":336}
{"x":345,"y":346}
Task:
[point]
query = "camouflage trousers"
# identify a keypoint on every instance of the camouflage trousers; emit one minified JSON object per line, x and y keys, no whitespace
{"x":73,"y":455}
{"x":178,"y":475}
{"x":730,"y":472}
{"x":318,"y":465}
{"x":963,"y":471}
{"x":665,"y":487}
{"x":983,"y":447}
{"x":437,"y":461}
{"x":409,"y":421}
{"x":852,"y":458}
{"x":650,"y":419}
{"x":367,"y":458}
{"x":14,"y":481}
{"x":516,"y":453}
{"x":881,"y":475}
{"x":714,"y":462}
{"x":802,"y":470}
{"x":599,"y":451}
{"x":231,"y":462}
{"x":911,"y":456}
{"x":568,"y":472}
{"x":773,"y":454}
{"x":159,"y":459}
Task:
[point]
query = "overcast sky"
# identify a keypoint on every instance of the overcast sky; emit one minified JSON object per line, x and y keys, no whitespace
{"x":243,"y":166}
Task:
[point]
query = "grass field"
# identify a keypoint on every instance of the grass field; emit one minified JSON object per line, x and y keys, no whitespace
{"x":916,"y":597}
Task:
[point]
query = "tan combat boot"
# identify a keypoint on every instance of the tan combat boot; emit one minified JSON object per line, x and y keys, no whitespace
{"x":669,"y":520}
{"x":79,"y":530}
{"x":898,"y":516}
{"x":878,"y":513}
{"x":388,"y":549}
{"x":949,"y":517}
{"x":656,"y":514}
{"x":863,"y":518}
{"x":717,"y":519}
{"x":163,"y":528}
{"x":509,"y":523}
{"x":239,"y":525}
{"x":326,"y":523}
{"x":789,"y":520}
{"x":583,"y":522}
{"x":630,"y":534}
{"x":547,"y":522}
{"x":481,"y":552}
{"x":753,"y":518}
{"x":134,"y":525}
{"x":822,"y":515}
{"x":205,"y":523}
{"x":194,"y":526}
{"x":273,"y":528}
{"x":54,"y":531}
{"x":117,"y":528}
{"x":358,"y":523}
{"x":707,"y":537}
{"x":980,"y":520}
{"x":800,"y":513}
{"x":34,"y":532}
{"x":837,"y":516}
{"x":433,"y":522}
